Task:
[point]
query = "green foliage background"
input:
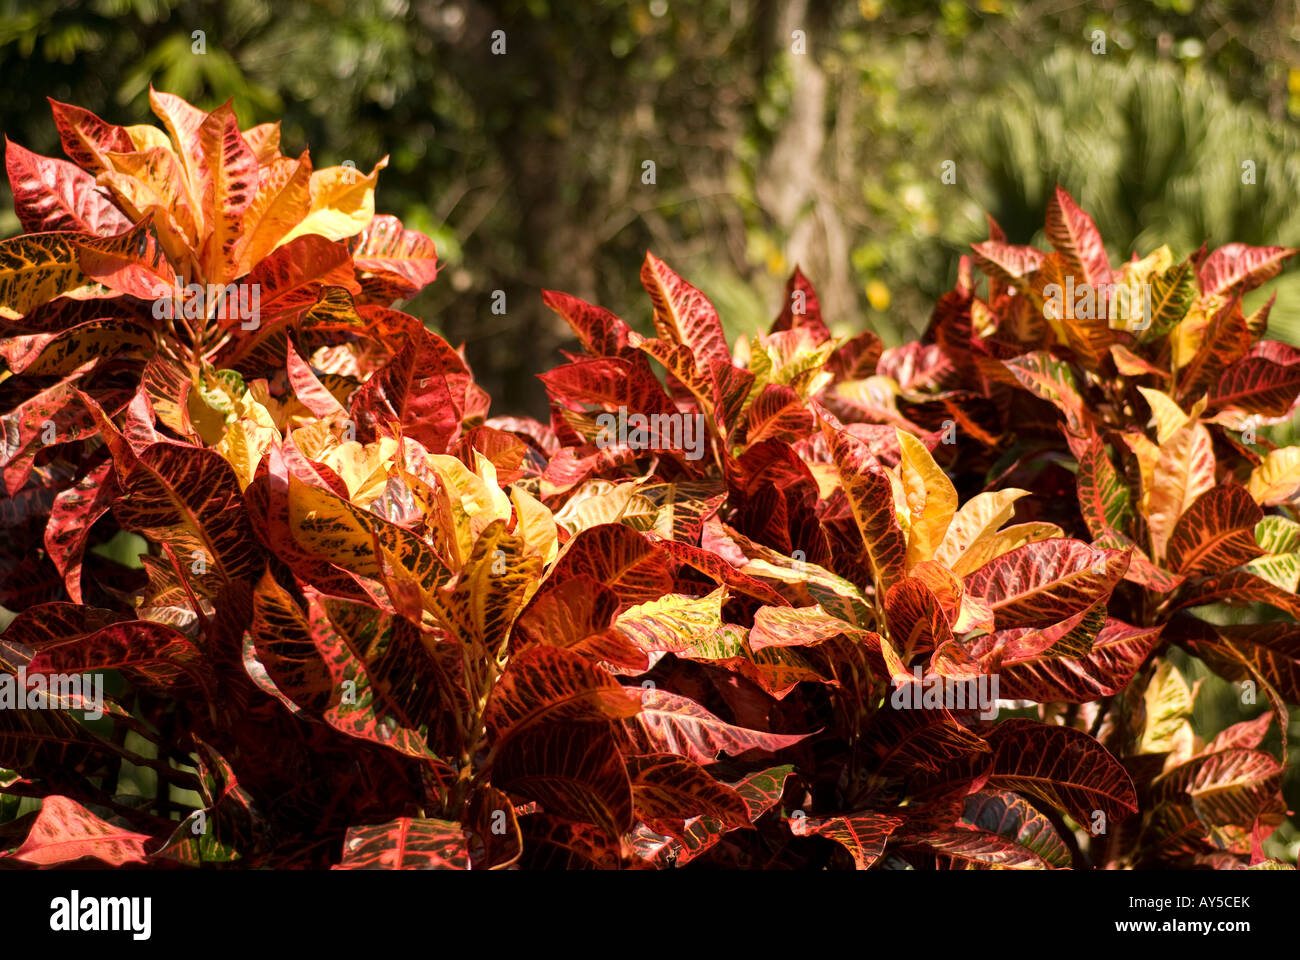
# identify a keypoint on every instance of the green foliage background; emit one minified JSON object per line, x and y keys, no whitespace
{"x":527,"y":168}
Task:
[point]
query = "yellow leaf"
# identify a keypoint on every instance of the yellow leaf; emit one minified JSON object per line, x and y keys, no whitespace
{"x":931,"y":498}
{"x":342,"y":203}
{"x":330,"y":529}
{"x":36,"y":268}
{"x":536,"y":525}
{"x":1183,"y":471}
{"x":597,"y":502}
{"x":980,"y":517}
{"x":1168,"y":704}
{"x":244,"y":444}
{"x":145,"y":136}
{"x":258,"y":405}
{"x":1168,"y":415}
{"x":898,"y":671}
{"x":314,"y":438}
{"x":1129,"y":363}
{"x":497,"y":578}
{"x":827,"y":477}
{"x":363,"y":469}
{"x":1276,"y":479}
{"x":152,"y":180}
{"x":282,"y":201}
{"x":1003,"y":541}
{"x":874,"y":391}
{"x":1156,"y":262}
{"x":676,"y":622}
{"x":208,"y":421}
{"x":467,"y":502}
{"x":1186,"y":338}
{"x":976,"y":613}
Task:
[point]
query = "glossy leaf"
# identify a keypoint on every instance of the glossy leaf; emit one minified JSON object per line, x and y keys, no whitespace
{"x":1236,"y":267}
{"x":407,"y":843}
{"x":864,"y":835}
{"x":1042,"y":583}
{"x":671,"y":723}
{"x":64,"y":831}
{"x":871,"y":498}
{"x":1060,"y":766}
{"x":1216,"y":533}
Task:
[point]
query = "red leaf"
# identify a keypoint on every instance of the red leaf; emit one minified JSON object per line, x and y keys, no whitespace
{"x":407,"y":843}
{"x":871,"y":498}
{"x":667,"y":787}
{"x":1116,"y":654}
{"x":610,"y":382}
{"x":154,"y":656}
{"x":601,"y":332}
{"x":1002,"y":829}
{"x":1246,"y":735}
{"x":399,"y":699}
{"x":189,"y":498}
{"x":65,"y":831}
{"x":1236,"y":587}
{"x":1272,"y":650}
{"x":1237,"y":268}
{"x":1062,"y":766}
{"x":856,"y":358}
{"x":1040,"y":584}
{"x":683,"y":315}
{"x":573,"y":770}
{"x":1258,"y":385}
{"x":404,"y":259}
{"x":422,"y":392}
{"x":1074,"y":235}
{"x":52,"y":194}
{"x":917,"y":623}
{"x":800,"y":296}
{"x":75,"y":511}
{"x":761,"y":792}
{"x":290,"y":279}
{"x":285,"y":643}
{"x":778,"y":413}
{"x":1230,"y":787}
{"x":86,"y":138}
{"x":1007,"y":262}
{"x":228,"y":171}
{"x":671,"y":723}
{"x":307,"y":388}
{"x":1216,"y":533}
{"x":546,"y":684}
{"x":619,"y":557}
{"x":864,"y":835}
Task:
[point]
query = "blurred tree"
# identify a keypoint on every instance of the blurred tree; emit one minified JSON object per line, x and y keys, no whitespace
{"x":807,"y":131}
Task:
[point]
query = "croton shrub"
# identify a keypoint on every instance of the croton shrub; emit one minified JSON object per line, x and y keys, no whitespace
{"x":797,"y":603}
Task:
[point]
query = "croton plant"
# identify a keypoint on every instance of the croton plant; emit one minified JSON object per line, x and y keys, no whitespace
{"x":372,"y":626}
